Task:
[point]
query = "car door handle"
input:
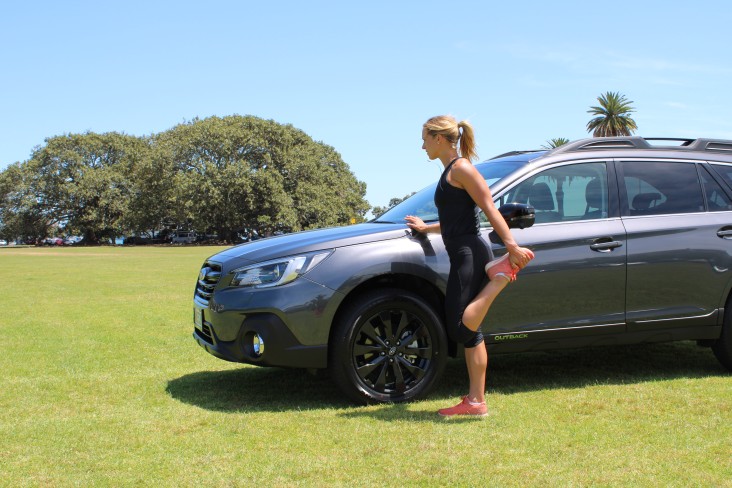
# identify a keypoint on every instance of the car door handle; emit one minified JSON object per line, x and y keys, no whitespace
{"x":605,"y":245}
{"x":725,"y":233}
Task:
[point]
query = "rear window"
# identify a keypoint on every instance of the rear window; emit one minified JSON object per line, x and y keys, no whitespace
{"x":725,"y":171}
{"x":656,"y":188}
{"x":717,"y":198}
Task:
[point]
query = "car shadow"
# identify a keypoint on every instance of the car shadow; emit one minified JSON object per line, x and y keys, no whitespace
{"x":252,"y":389}
{"x":255,"y":389}
{"x":612,"y":365}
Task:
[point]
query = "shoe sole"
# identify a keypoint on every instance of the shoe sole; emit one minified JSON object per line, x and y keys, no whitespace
{"x":463,"y":416}
{"x":495,"y":262}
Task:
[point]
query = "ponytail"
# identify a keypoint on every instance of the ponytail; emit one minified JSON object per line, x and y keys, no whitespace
{"x":467,"y":141}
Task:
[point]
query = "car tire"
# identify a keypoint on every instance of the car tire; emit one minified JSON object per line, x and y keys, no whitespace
{"x":388,"y":345}
{"x":722,"y":347}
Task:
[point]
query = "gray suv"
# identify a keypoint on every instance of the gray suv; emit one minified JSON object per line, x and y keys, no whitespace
{"x":633,"y":243}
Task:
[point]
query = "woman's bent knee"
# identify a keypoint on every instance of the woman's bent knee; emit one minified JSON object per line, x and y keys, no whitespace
{"x":469,"y":338}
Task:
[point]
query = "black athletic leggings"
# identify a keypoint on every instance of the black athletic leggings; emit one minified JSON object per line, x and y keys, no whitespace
{"x":468,"y":257}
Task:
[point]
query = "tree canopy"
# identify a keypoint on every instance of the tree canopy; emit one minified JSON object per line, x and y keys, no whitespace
{"x":613,"y":116}
{"x":216,"y":175}
{"x":556,"y":142}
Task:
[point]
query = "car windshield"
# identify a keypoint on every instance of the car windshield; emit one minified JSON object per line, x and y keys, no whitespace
{"x":422,"y":203}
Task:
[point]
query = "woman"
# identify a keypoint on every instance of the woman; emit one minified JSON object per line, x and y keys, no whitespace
{"x":460,"y":191}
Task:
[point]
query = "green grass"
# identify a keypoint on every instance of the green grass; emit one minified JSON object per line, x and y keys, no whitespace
{"x":103,"y":385}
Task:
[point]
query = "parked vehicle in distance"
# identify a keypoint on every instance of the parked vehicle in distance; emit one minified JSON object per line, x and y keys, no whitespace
{"x":72,"y":240}
{"x":52,"y":241}
{"x":633,"y":243}
{"x":3,"y":242}
{"x":184,"y":237}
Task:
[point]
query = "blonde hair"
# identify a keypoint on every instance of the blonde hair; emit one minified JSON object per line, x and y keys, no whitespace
{"x":450,"y":129}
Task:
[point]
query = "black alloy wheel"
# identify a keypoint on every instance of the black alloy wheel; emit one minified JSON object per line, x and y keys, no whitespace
{"x":389,"y":347}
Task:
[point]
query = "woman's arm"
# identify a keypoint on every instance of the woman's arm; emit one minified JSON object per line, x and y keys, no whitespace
{"x":465,"y":175}
{"x":418,"y":224}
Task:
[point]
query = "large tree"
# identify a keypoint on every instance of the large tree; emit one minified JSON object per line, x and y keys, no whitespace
{"x":612,"y":116}
{"x":240,"y":172}
{"x":82,"y":183}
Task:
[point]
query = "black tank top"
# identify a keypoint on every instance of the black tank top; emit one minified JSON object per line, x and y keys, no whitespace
{"x":457,"y":212}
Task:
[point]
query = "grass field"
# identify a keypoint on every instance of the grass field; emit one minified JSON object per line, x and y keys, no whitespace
{"x":103,"y":385}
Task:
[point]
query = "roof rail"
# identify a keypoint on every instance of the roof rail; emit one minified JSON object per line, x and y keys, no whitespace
{"x":514,"y":153}
{"x":632,"y":142}
{"x":636,"y":142}
{"x":720,"y":145}
{"x":684,"y":141}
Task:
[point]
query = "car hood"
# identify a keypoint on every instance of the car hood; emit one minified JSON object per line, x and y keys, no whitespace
{"x":311,"y":240}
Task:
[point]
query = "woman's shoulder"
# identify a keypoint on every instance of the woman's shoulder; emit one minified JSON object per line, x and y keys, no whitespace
{"x":464,"y":166}
{"x":464,"y":174}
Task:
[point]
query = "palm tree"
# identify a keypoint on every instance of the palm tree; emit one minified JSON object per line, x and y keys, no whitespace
{"x":556,"y":142}
{"x":613,"y":116}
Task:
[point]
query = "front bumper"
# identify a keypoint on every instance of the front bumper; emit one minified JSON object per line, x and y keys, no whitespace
{"x":281,"y":346}
{"x":293,"y":321}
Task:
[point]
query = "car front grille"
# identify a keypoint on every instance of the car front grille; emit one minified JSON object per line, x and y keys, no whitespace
{"x":209,"y":275}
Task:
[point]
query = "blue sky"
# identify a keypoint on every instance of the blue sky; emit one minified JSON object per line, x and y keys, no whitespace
{"x":363,"y":76}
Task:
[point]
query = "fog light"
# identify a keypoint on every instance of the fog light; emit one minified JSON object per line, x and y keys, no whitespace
{"x":258,"y":345}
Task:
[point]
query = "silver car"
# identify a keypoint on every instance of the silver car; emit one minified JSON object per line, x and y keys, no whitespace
{"x":633,"y":243}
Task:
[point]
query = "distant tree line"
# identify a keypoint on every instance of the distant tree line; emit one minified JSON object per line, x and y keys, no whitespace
{"x":220,"y":176}
{"x":392,"y":203}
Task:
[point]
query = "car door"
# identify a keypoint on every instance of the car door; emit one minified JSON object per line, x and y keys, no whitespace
{"x":678,"y":222}
{"x":576,"y":284}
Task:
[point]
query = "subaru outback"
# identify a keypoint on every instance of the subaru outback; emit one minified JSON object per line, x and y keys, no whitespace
{"x":633,"y":244}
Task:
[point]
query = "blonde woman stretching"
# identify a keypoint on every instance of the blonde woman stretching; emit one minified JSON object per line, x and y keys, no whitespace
{"x":460,"y":192}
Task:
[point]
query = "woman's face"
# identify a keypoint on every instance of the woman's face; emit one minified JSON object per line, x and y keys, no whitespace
{"x":429,"y":144}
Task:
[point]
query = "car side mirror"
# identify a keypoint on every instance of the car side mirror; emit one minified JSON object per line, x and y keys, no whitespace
{"x":517,"y":216}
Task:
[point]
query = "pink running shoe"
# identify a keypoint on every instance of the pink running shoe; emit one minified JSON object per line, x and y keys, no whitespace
{"x":465,"y":408}
{"x":501,"y":267}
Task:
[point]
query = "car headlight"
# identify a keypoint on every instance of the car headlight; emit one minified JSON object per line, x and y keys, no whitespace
{"x":278,"y":271}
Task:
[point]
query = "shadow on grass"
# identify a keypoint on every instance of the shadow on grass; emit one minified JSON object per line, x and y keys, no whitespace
{"x":612,"y":365}
{"x":255,"y":389}
{"x":252,"y":389}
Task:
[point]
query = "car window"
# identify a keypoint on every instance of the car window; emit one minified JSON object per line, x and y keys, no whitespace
{"x":717,"y":199}
{"x":564,"y":193}
{"x":421,"y":204}
{"x":724,"y":170}
{"x":656,"y":188}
